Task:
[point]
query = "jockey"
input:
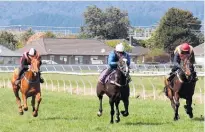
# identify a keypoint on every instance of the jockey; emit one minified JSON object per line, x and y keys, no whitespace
{"x":114,"y":58}
{"x":25,"y":61}
{"x":181,"y":52}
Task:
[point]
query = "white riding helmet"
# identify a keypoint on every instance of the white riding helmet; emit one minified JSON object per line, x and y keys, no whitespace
{"x":119,"y":47}
{"x":32,"y":52}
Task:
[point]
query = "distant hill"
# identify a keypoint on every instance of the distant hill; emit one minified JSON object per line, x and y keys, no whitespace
{"x":69,"y":13}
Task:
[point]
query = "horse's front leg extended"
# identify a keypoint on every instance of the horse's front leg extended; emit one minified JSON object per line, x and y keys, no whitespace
{"x":100,"y":107}
{"x":33,"y":102}
{"x":112,"y":111}
{"x":18,"y":100}
{"x":117,"y":111}
{"x":25,"y":106}
{"x":39,"y":99}
{"x":176,"y":100}
{"x":188,"y":107}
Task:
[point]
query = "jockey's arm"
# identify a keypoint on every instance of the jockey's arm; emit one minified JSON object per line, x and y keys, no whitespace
{"x":176,"y":60}
{"x":128,"y":59}
{"x":192,"y":59}
{"x":24,"y":63}
{"x":111,"y":60}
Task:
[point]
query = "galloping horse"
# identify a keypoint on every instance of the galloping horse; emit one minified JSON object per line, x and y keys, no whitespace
{"x":116,"y":88}
{"x":29,"y":86}
{"x":181,"y":86}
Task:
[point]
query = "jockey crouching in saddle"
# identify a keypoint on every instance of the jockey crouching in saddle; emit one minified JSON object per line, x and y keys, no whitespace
{"x":25,"y":62}
{"x":113,"y":59}
{"x":181,"y":52}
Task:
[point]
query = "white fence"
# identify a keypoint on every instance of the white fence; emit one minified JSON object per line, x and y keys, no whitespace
{"x":79,"y":84}
{"x":137,"y":68}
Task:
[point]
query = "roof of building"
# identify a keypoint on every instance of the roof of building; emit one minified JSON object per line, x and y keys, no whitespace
{"x":7,"y":52}
{"x":74,"y":47}
{"x":199,"y":50}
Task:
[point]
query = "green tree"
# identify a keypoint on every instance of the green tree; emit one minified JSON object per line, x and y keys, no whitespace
{"x":176,"y":27}
{"x":109,"y":24}
{"x":94,"y":22}
{"x":49,"y":34}
{"x":8,"y":40}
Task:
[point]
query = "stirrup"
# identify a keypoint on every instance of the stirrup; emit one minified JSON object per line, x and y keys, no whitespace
{"x":17,"y":82}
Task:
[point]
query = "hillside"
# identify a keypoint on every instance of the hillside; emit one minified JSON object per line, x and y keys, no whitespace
{"x":71,"y":13}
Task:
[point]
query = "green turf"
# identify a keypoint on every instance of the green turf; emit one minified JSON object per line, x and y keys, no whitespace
{"x":61,"y":112}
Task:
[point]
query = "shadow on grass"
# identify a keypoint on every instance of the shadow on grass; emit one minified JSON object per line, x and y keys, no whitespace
{"x":199,"y":118}
{"x":144,"y":123}
{"x":61,"y":118}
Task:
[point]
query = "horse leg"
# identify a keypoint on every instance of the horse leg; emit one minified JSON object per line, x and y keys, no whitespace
{"x":176,"y":99}
{"x":117,"y":111}
{"x":100,"y":108}
{"x":38,"y":97}
{"x":33,"y":102}
{"x":188,"y":107}
{"x":25,"y":106}
{"x":18,"y":100}
{"x":126,"y":105}
{"x":112,"y":111}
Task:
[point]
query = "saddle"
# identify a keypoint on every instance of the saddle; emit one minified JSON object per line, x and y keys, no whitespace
{"x":108,"y":77}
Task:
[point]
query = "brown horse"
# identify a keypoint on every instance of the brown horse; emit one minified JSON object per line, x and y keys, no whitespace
{"x":181,"y":86}
{"x":29,"y":86}
{"x":116,"y":89}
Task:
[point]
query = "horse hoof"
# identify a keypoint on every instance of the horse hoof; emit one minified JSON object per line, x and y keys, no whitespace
{"x":111,"y":122}
{"x":99,"y":114}
{"x":190,"y":115}
{"x":35,"y":114}
{"x":125,"y":114}
{"x":21,"y":113}
{"x":25,"y":109}
{"x":176,"y":118}
{"x":117,"y":120}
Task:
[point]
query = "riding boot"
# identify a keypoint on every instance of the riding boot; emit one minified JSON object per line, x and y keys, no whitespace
{"x":166,"y":91}
{"x":41,"y":79}
{"x":194,"y":76}
{"x":21,"y":71}
{"x":171,"y":76}
{"x":128,"y":78}
{"x":109,"y":70}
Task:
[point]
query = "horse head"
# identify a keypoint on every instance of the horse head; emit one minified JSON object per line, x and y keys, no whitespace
{"x":185,"y":71}
{"x":122,"y":66}
{"x":35,"y":64}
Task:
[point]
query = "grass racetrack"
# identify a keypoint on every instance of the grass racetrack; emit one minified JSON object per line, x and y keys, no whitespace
{"x":62,"y":112}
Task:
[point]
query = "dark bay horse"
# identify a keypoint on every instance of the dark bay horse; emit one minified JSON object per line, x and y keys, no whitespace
{"x":181,"y":86}
{"x":29,"y":87}
{"x":116,"y":89}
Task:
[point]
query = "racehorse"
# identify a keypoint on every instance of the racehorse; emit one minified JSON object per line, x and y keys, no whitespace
{"x":116,"y":88}
{"x":181,"y":86}
{"x":29,"y":86}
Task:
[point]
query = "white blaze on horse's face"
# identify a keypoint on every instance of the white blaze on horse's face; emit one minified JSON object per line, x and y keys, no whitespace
{"x":125,"y":67}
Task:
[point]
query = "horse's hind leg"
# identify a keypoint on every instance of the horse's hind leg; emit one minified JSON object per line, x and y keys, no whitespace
{"x":38,"y":97}
{"x":18,"y":100}
{"x":117,"y":111}
{"x":112,"y":111}
{"x":100,"y":107}
{"x":188,"y":107}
